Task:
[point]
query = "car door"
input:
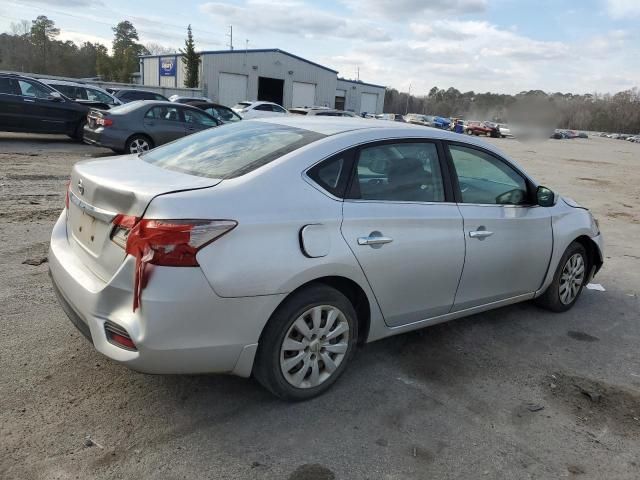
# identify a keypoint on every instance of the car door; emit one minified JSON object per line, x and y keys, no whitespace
{"x":11,"y":107}
{"x":196,"y":121}
{"x":508,"y":237}
{"x":164,"y":123}
{"x":46,"y":113}
{"x":404,"y":228}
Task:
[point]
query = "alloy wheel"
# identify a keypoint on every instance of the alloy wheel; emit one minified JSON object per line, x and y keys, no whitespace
{"x":138,"y":145}
{"x":314,"y":346}
{"x":571,"y":278}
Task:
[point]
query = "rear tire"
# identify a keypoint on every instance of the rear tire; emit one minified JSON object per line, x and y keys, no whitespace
{"x":138,"y":143}
{"x":568,"y":281}
{"x":78,"y":133}
{"x":307,"y":343}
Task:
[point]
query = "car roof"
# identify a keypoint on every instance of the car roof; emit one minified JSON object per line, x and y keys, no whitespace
{"x":156,"y":103}
{"x":53,"y":81}
{"x":200,"y":103}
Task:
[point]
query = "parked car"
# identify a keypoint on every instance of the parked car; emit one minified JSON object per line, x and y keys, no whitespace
{"x":419,"y":119}
{"x":392,"y":117}
{"x":126,"y":95}
{"x":28,"y":105}
{"x":482,"y":128}
{"x":321,"y":111}
{"x":248,"y":249}
{"x":185,"y":99}
{"x":504,"y":129}
{"x":142,"y":125}
{"x":258,"y":109}
{"x":219,"y":112}
{"x":89,"y":95}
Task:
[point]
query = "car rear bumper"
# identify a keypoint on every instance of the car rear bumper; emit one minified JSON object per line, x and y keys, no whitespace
{"x":182,"y":325}
{"x":102,"y":137}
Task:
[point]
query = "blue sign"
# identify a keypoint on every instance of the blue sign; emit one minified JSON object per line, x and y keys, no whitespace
{"x":168,"y":66}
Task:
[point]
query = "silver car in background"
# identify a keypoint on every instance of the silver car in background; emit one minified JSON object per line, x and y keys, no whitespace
{"x":274,"y":247}
{"x":141,"y":125}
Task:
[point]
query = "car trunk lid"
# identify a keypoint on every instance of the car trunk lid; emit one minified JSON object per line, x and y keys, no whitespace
{"x":101,"y":189}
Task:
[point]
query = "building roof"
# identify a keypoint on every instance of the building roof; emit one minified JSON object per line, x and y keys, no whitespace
{"x":359,"y":82}
{"x":255,"y":50}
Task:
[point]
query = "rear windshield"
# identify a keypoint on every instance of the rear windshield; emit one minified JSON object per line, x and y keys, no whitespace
{"x":230,"y":150}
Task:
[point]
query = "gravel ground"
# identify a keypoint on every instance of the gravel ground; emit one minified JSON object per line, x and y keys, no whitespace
{"x":514,"y":393}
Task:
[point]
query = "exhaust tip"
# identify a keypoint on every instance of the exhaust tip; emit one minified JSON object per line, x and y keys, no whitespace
{"x":118,"y":336}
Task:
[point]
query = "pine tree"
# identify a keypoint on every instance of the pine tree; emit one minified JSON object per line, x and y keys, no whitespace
{"x":191,"y":61}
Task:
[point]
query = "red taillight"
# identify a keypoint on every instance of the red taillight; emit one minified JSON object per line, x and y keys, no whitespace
{"x":169,"y":243}
{"x":66,"y":195}
{"x":105,"y":122}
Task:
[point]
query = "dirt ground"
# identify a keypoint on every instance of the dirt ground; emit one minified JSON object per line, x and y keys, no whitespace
{"x":515,"y":393}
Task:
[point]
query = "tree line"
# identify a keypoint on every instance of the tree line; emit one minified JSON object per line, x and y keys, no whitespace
{"x":33,"y":47}
{"x":618,"y":112}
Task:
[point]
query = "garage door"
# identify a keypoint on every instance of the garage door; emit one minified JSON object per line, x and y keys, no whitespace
{"x":304,"y":94}
{"x":368,"y":103}
{"x":232,"y":88}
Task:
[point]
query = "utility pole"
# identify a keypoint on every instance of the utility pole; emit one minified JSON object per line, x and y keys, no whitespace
{"x":406,"y":110}
{"x":230,"y":35}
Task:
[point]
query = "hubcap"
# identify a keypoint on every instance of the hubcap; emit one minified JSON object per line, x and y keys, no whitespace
{"x":571,"y":278}
{"x":138,"y":146}
{"x":314,"y":346}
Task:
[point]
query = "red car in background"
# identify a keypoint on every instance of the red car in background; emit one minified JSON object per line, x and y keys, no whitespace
{"x":482,"y":128}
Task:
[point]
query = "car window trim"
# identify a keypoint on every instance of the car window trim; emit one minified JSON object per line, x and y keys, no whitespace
{"x":531,"y":186}
{"x":444,"y":169}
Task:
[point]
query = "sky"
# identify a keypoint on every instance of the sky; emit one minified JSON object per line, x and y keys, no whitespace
{"x":502,"y":46}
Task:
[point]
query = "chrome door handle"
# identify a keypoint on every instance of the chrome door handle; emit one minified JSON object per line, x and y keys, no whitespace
{"x":374,"y":240}
{"x":480,"y":234}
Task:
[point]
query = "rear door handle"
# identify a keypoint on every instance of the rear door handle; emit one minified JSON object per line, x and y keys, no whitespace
{"x":480,"y":234}
{"x":374,"y":240}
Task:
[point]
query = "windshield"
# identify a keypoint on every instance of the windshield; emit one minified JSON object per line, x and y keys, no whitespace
{"x":241,"y":105}
{"x":230,"y":150}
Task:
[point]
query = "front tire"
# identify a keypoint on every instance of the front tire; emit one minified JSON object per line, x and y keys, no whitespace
{"x":307,"y":343}
{"x":568,"y":281}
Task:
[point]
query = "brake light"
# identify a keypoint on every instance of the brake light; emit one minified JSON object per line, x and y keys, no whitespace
{"x":66,"y":196}
{"x":169,"y":243}
{"x":105,"y":122}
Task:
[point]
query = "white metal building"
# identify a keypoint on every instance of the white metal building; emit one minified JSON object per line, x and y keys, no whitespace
{"x":359,"y":97}
{"x":230,"y":76}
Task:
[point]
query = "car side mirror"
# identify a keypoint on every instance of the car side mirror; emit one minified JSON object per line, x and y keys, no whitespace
{"x":55,"y":97}
{"x":545,"y":197}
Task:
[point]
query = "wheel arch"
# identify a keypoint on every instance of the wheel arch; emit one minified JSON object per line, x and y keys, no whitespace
{"x":350,"y":289}
{"x":593,"y":252}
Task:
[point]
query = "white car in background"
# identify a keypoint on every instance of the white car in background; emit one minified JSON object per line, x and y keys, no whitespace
{"x":258,"y":109}
{"x":505,"y":131}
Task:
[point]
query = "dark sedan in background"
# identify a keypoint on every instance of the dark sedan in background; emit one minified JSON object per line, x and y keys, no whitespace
{"x":126,"y":95}
{"x":219,"y":112}
{"x":28,"y":105}
{"x":142,"y":125}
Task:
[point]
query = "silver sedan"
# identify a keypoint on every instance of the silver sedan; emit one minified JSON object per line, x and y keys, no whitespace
{"x":274,"y":247}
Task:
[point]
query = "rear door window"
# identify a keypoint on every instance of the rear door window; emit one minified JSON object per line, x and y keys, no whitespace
{"x":163,"y":112}
{"x":407,"y":172}
{"x":7,"y":86}
{"x":230,"y":150}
